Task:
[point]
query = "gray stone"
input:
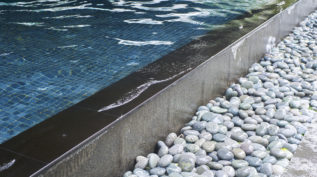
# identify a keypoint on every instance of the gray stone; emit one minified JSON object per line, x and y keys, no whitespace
{"x":269,"y":159}
{"x":220,"y":173}
{"x":261,"y":130}
{"x":225,"y":154}
{"x":219,"y":137}
{"x":199,"y":126}
{"x":248,"y":127}
{"x":239,"y":136}
{"x":278,"y":153}
{"x":191,"y":138}
{"x":209,"y":146}
{"x":259,"y":154}
{"x":180,"y":141}
{"x":173,"y":168}
{"x":247,"y":148}
{"x":170,"y":139}
{"x":212,"y":127}
{"x":277,"y":169}
{"x":165,"y":160}
{"x":176,"y":149}
{"x":203,"y":160}
{"x":157,"y":171}
{"x":215,"y":165}
{"x":186,"y":162}
{"x":153,"y":160}
{"x":239,"y":163}
{"x":141,"y":162}
{"x":243,"y":172}
{"x":218,"y":110}
{"x":238,"y":153}
{"x":245,"y":106}
{"x":273,"y":130}
{"x":259,"y":140}
{"x":237,"y":121}
{"x":192,"y":148}
{"x":253,"y":161}
{"x":140,"y":172}
{"x":229,"y":171}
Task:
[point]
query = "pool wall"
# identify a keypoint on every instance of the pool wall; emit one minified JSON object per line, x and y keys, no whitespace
{"x":112,"y":150}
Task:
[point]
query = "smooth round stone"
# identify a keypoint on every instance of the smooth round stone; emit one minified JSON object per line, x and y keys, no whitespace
{"x":238,"y":153}
{"x":280,"y":114}
{"x":278,"y":153}
{"x":228,"y":124}
{"x":170,"y":139}
{"x":141,"y":172}
{"x":258,"y":147}
{"x":270,"y":113}
{"x":163,"y":150}
{"x":283,"y":162}
{"x":287,"y":132}
{"x":282,"y":123}
{"x":234,"y":111}
{"x":209,"y":116}
{"x":191,"y":138}
{"x":180,"y":141}
{"x":250,"y":120}
{"x":247,"y":84}
{"x":153,"y":160}
{"x":200,"y":142}
{"x":192,"y":148}
{"x":157,"y":171}
{"x":191,"y":132}
{"x":217,"y":109}
{"x":203,"y":160}
{"x":220,"y":173}
{"x":295,"y":104}
{"x":215,"y":165}
{"x":243,"y":172}
{"x":199,"y":126}
{"x":243,"y":114}
{"x":223,"y":129}
{"x":176,"y":149}
{"x":201,"y":169}
{"x":205,"y":135}
{"x":225,"y":154}
{"x":219,"y":137}
{"x":209,"y":146}
{"x":253,"y":161}
{"x":248,"y":127}
{"x":261,"y":130}
{"x":239,"y":136}
{"x":273,"y":130}
{"x":260,"y":111}
{"x":173,"y":168}
{"x":187,"y":162}
{"x":127,"y":174}
{"x":165,"y":160}
{"x":276,"y":144}
{"x":141,"y":162}
{"x":293,"y":141}
{"x":239,"y":163}
{"x":247,"y":148}
{"x":212,"y":127}
{"x":245,"y":106}
{"x":237,"y":121}
{"x":229,"y":171}
{"x":277,"y":169}
{"x":175,"y":175}
{"x":291,"y":147}
{"x":269,"y":159}
{"x":259,"y":140}
{"x":225,"y":162}
{"x":254,"y":79}
{"x":259,"y":154}
{"x":208,"y":174}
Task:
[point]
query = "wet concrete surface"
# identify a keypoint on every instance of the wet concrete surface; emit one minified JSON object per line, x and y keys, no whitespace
{"x":304,"y":162}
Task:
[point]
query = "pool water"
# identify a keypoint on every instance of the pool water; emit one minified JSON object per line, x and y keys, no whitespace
{"x":55,"y":53}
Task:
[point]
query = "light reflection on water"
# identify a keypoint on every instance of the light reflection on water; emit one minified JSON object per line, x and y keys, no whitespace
{"x":74,"y":48}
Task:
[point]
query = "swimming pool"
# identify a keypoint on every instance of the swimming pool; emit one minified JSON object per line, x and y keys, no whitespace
{"x":53,"y":53}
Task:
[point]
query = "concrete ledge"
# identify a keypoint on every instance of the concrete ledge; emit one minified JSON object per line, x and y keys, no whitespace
{"x":113,"y":149}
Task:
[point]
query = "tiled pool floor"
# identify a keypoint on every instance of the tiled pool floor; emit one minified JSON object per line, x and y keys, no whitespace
{"x":54,"y":53}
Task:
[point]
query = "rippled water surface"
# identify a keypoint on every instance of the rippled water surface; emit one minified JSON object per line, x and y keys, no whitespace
{"x":55,"y":53}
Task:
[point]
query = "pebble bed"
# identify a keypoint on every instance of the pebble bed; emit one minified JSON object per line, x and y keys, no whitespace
{"x":254,"y":130}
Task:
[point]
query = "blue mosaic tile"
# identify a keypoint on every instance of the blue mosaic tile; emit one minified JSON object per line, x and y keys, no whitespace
{"x":54,"y":54}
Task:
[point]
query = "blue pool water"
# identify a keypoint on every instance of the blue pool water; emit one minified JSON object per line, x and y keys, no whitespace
{"x":55,"y":53}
